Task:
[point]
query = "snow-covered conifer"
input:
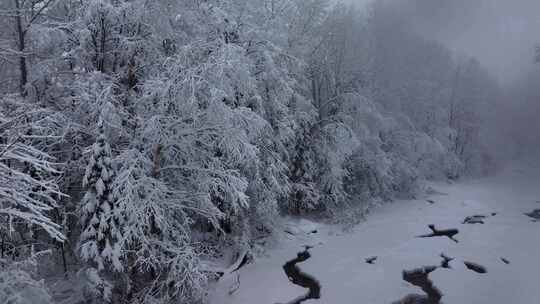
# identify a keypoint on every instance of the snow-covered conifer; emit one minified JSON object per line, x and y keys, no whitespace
{"x":100,"y":216}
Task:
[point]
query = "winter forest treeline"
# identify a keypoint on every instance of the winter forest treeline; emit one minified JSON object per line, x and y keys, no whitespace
{"x":142,"y":141}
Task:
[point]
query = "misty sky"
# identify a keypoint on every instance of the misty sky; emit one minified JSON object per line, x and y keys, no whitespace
{"x":502,"y":34}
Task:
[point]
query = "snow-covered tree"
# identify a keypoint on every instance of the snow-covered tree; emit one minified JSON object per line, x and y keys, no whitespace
{"x":101,"y":217}
{"x":28,"y":188}
{"x":26,"y":18}
{"x":157,"y":236}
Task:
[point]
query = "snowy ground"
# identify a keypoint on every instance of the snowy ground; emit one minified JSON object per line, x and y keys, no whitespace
{"x":338,"y":258}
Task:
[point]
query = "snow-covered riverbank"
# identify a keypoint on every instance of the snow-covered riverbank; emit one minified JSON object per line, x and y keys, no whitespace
{"x":338,"y":259}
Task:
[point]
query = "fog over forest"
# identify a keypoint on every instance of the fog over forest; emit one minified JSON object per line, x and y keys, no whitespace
{"x":502,"y":35}
{"x":269,"y":151}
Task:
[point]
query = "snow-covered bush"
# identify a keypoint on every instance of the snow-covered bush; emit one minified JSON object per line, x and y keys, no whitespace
{"x":18,"y":283}
{"x":95,"y":289}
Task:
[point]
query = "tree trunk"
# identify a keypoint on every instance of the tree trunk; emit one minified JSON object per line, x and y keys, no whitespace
{"x":21,"y":44}
{"x":157,"y":161}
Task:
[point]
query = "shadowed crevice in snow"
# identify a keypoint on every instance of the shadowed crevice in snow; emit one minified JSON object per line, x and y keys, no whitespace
{"x":475,"y":267}
{"x":535,"y":214}
{"x":298,"y":277}
{"x":474,"y":219}
{"x":446,"y":261}
{"x":477,"y":218}
{"x":420,"y":277}
{"x":449,"y":233}
{"x":371,"y":260}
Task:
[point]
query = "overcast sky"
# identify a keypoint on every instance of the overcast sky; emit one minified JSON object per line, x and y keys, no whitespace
{"x":502,"y":34}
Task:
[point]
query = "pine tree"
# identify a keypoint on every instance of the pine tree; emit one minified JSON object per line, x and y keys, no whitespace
{"x":100,"y":215}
